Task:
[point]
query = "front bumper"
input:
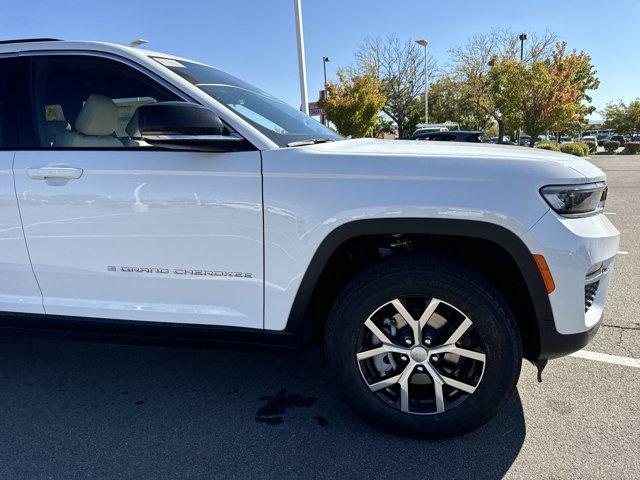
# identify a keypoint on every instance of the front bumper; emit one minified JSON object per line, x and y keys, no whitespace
{"x":554,"y":344}
{"x":572,"y":246}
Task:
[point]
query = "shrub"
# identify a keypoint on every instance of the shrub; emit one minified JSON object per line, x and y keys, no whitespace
{"x":631,"y":148}
{"x":611,"y":146}
{"x":593,"y":147}
{"x":577,"y":149}
{"x":548,"y":146}
{"x":585,"y":148}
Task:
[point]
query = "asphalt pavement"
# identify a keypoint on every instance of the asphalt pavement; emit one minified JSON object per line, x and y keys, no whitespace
{"x":73,"y":409}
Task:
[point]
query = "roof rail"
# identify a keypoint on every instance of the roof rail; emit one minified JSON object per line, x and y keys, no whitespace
{"x":29,"y":40}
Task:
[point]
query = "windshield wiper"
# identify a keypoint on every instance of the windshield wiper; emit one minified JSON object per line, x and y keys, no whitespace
{"x":310,"y":141}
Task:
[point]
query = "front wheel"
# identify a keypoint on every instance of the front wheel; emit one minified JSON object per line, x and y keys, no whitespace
{"x":423,"y":346}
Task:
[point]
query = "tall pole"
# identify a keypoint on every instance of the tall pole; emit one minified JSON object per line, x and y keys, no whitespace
{"x":426,"y":83}
{"x":304,"y":106}
{"x":522,"y":37}
{"x":425,"y":44}
{"x":325,"y":120}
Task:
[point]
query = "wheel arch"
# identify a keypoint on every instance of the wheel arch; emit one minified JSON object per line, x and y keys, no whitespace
{"x":300,"y":323}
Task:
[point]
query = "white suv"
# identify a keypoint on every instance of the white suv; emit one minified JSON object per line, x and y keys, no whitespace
{"x":147,"y":194}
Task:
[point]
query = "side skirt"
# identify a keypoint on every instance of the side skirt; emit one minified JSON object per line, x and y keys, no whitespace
{"x":141,"y":333}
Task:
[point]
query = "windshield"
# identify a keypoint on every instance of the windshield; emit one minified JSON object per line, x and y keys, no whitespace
{"x":277,"y":120}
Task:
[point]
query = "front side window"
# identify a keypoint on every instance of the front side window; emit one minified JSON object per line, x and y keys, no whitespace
{"x":277,"y":120}
{"x":88,"y":102}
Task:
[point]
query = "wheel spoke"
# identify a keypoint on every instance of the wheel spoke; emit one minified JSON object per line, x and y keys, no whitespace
{"x":428,"y":312}
{"x":437,"y":387}
{"x":377,"y":332}
{"x":384,"y":348}
{"x":465,"y":387}
{"x":463,"y":352}
{"x":404,"y":387}
{"x":460,"y":331}
{"x":413,"y":323}
{"x":387,"y":382}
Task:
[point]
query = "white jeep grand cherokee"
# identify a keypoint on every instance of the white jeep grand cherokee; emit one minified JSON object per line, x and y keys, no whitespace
{"x":151,"y":195}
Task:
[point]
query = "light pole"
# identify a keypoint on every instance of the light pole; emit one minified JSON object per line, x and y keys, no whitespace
{"x":424,"y":43}
{"x":302,"y":68}
{"x":324,"y":119}
{"x":325,"y":60}
{"x":522,"y":37}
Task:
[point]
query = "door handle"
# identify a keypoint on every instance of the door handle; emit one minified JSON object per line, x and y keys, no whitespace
{"x":55,"y":172}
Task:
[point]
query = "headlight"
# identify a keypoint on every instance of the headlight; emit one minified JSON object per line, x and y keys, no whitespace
{"x":576,"y":200}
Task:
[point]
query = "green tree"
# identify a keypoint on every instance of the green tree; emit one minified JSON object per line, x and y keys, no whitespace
{"x":472,"y":63}
{"x":544,"y":94}
{"x":623,"y":118}
{"x":383,"y":125}
{"x":448,"y":102}
{"x":353,"y":103}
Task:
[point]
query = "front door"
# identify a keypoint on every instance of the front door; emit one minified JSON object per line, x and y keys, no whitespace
{"x":118,"y":229}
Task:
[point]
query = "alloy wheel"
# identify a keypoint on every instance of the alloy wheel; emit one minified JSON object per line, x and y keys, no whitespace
{"x":420,"y":355}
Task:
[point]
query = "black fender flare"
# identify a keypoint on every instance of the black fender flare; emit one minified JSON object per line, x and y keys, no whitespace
{"x":502,"y":236}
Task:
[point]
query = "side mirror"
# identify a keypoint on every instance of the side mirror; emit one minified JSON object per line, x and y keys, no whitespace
{"x":182,"y":126}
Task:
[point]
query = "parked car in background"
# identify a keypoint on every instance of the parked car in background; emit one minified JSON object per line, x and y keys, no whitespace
{"x":524,"y":140}
{"x":505,"y":139}
{"x":457,"y":136}
{"x":436,"y":127}
{"x":589,"y":138}
{"x":603,"y":137}
{"x":566,"y":139}
{"x":618,"y":138}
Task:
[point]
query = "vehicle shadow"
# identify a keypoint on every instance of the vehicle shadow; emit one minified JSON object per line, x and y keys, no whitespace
{"x":74,"y":409}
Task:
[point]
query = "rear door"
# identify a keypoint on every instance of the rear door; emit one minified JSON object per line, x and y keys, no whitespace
{"x":119,"y":229}
{"x":19,"y":291}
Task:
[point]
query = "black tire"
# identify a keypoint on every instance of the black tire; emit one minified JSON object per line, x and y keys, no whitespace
{"x":435,"y":276}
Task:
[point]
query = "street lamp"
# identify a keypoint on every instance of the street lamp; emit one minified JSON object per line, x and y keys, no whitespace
{"x":522,"y":37}
{"x":324,"y":119}
{"x":302,"y":68}
{"x":325,"y":60}
{"x":424,"y":43}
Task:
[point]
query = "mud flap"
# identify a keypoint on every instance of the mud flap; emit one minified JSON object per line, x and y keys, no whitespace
{"x":540,"y":364}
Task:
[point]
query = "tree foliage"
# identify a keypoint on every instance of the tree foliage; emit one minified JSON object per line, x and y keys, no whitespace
{"x":449,"y":102}
{"x":353,"y":103}
{"x":544,"y":94}
{"x":383,"y":125}
{"x":399,"y":64}
{"x":623,"y":118}
{"x":471,"y":64}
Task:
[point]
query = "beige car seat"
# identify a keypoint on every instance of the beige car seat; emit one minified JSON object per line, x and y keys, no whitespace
{"x":94,"y":126}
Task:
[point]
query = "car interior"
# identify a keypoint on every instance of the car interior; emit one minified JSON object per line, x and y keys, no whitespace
{"x":89,"y":103}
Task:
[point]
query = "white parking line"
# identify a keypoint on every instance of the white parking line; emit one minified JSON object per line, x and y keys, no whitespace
{"x":609,"y":213}
{"x":623,"y":252}
{"x":606,"y":358}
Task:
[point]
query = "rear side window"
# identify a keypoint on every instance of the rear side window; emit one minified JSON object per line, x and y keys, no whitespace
{"x":87,"y":102}
{"x":8,"y":118}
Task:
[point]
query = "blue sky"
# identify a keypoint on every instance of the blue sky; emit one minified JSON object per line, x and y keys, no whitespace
{"x":255,"y":39}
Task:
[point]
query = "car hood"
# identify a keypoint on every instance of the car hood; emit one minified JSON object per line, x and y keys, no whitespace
{"x":482,"y":151}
